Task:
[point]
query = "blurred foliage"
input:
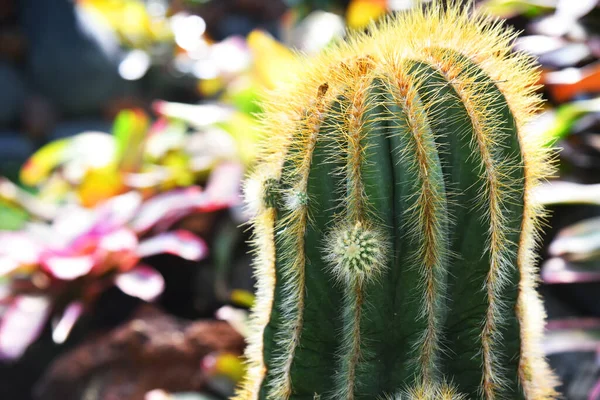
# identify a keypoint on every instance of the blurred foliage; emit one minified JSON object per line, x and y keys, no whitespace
{"x":138,"y":155}
{"x":130,"y":20}
{"x":157,"y":177}
{"x":57,"y":270}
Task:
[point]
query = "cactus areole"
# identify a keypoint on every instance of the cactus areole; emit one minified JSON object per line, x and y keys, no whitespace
{"x":394,"y":231}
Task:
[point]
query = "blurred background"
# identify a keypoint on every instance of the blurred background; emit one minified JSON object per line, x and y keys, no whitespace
{"x":126,"y":127}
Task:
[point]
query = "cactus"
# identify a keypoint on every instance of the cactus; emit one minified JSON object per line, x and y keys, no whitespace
{"x":394,"y":231}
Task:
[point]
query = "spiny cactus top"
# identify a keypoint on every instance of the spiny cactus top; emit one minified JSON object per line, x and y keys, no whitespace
{"x":394,"y":233}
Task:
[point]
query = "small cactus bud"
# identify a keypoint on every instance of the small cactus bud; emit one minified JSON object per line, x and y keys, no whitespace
{"x":294,"y":199}
{"x":356,"y":253}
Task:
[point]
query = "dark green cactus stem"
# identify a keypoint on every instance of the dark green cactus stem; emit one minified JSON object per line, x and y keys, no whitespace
{"x":394,"y":231}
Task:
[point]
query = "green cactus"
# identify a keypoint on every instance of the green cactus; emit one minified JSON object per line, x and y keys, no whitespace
{"x":394,"y":231}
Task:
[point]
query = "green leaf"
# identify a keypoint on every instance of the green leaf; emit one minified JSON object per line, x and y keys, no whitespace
{"x":12,"y":218}
{"x":565,"y":117}
{"x":129,"y":129}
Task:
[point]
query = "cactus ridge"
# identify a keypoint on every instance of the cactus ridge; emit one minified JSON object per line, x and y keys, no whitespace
{"x":393,"y":231}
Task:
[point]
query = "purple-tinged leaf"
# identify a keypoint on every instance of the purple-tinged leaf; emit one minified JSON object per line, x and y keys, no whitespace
{"x":237,"y":318}
{"x":180,"y":243}
{"x":6,"y":294}
{"x":198,"y":116}
{"x":165,"y":136}
{"x":118,"y":210}
{"x":142,"y":282}
{"x":119,"y":240}
{"x":163,"y":210}
{"x":19,"y":247}
{"x":7,"y":265}
{"x":12,"y":193}
{"x":22,"y":324}
{"x":572,"y":335}
{"x":560,"y":192}
{"x":71,"y":223}
{"x":157,"y":394}
{"x":223,"y":189}
{"x":578,"y":242}
{"x":165,"y":206}
{"x":557,"y":270}
{"x":67,"y":266}
{"x":538,"y":44}
{"x":575,"y":9}
{"x":595,"y":391}
{"x":565,"y":56}
{"x":63,"y":327}
{"x":43,"y":235}
{"x":147,"y":179}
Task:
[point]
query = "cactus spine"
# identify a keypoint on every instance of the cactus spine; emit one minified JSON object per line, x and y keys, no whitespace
{"x":394,"y":234}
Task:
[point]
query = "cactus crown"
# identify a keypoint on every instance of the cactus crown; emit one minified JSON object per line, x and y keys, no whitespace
{"x":393,"y":229}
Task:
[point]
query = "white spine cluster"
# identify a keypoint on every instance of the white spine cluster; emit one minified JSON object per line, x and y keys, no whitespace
{"x":356,"y":253}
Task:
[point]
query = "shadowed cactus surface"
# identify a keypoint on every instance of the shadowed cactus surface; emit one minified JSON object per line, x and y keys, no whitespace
{"x":393,"y":229}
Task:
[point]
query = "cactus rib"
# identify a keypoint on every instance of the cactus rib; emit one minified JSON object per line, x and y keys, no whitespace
{"x":431,"y":216}
{"x":290,"y":242}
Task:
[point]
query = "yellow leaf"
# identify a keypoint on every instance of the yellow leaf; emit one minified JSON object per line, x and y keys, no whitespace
{"x":129,"y":19}
{"x":39,"y":166}
{"x":229,"y":365}
{"x":244,"y":130}
{"x":210,"y":87}
{"x":361,"y":12}
{"x":179,"y":169}
{"x":273,"y":62}
{"x":99,"y":185}
{"x":242,"y":298}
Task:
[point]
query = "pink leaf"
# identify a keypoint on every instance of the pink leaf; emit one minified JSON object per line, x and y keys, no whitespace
{"x":162,"y":211}
{"x":22,"y":324}
{"x":180,"y":243}
{"x":118,"y":240}
{"x":118,"y":210}
{"x":595,"y":391}
{"x":66,"y":266}
{"x":558,"y":270}
{"x":6,"y":294}
{"x":571,"y":335}
{"x":223,"y":187}
{"x":20,"y":247}
{"x":165,"y":206}
{"x":71,"y":222}
{"x":142,"y":282}
{"x":7,"y":265}
{"x":61,"y":331}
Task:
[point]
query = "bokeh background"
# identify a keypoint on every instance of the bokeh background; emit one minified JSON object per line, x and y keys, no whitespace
{"x":126,"y":127}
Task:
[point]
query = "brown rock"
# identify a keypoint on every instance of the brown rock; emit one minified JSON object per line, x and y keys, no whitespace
{"x":152,"y":351}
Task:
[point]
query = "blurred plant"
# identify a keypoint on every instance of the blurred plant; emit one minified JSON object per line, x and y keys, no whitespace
{"x":95,"y":166}
{"x":57,"y":270}
{"x":159,"y":394}
{"x":135,"y":25}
